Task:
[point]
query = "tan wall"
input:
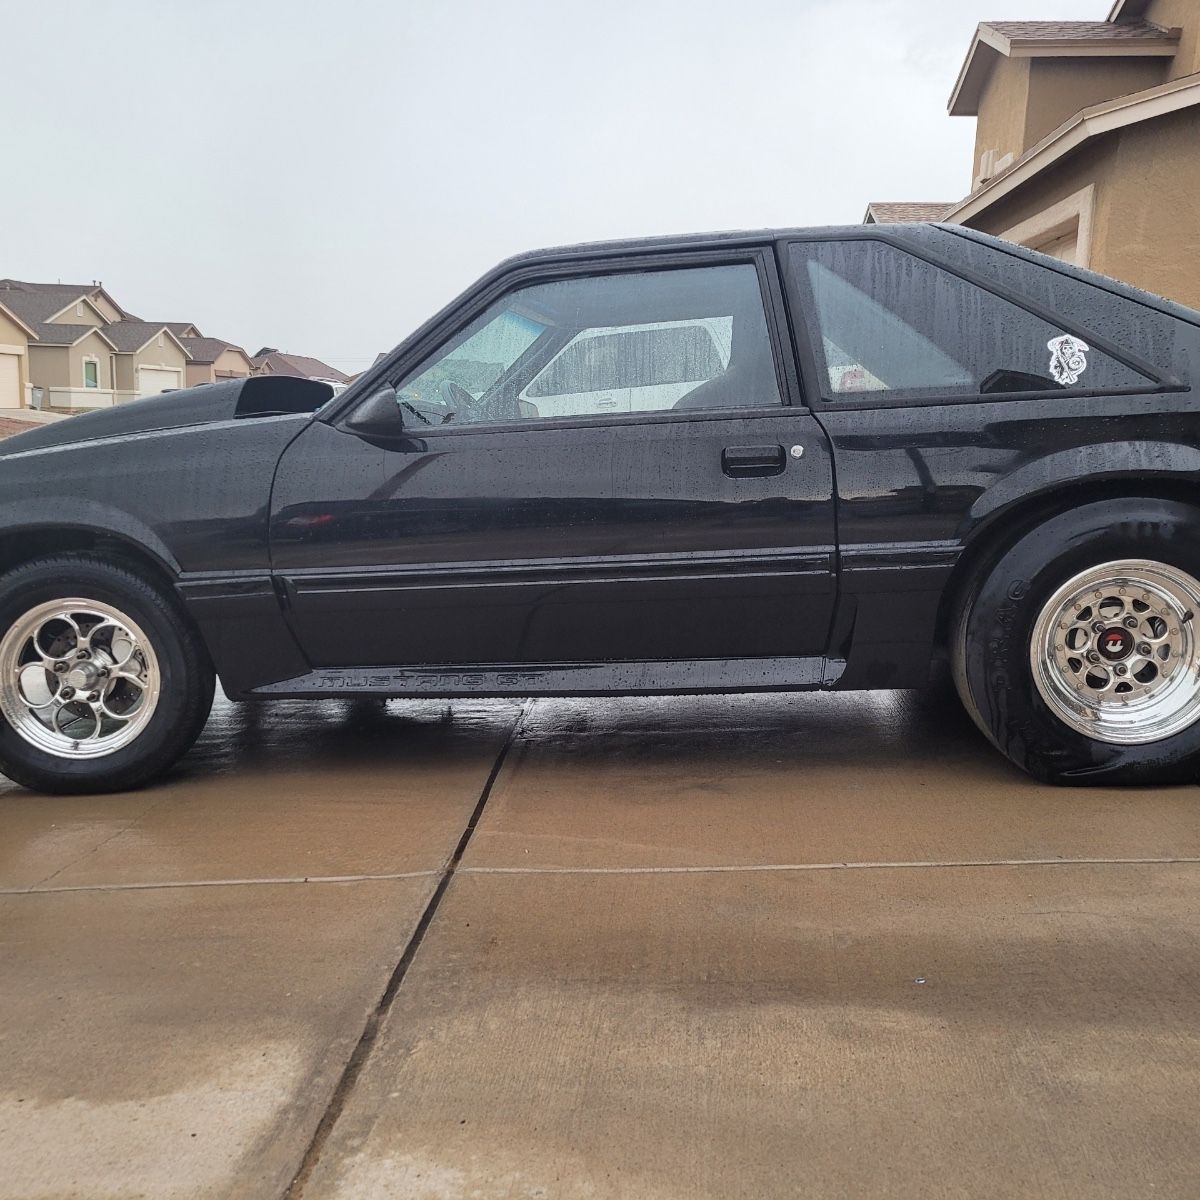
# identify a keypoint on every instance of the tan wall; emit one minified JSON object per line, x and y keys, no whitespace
{"x":230,"y":364}
{"x":1001,"y":123}
{"x":92,"y":346}
{"x":109,"y":311}
{"x":1185,"y":15}
{"x":69,"y":317}
{"x":49,"y":366}
{"x":1061,"y":87}
{"x":198,"y":373}
{"x":11,"y":334}
{"x":1146,"y":226}
{"x":1149,"y":216}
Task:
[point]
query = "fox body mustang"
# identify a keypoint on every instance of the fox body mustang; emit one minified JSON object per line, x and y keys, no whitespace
{"x":788,"y":460}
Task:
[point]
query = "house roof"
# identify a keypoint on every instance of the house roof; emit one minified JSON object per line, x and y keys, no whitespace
{"x":128,"y":337}
{"x":298,"y":366}
{"x":179,"y":328}
{"x":1077,"y":131}
{"x":888,"y":212}
{"x":207,"y":350}
{"x":8,"y":312}
{"x":56,"y":334}
{"x":1052,"y":39}
{"x":37,"y":302}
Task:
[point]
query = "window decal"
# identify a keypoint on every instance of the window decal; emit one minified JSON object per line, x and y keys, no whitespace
{"x":1068,"y":358}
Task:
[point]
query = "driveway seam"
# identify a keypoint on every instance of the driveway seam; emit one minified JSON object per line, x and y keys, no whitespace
{"x":832,"y":866}
{"x":38,"y":890}
{"x":362,"y":1050}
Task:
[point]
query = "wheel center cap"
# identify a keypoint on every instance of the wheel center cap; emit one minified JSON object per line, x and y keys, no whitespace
{"x":81,"y":676}
{"x":1115,"y":644}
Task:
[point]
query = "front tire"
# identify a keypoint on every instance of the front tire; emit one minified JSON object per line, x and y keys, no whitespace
{"x":103,"y":682}
{"x":1077,"y":649}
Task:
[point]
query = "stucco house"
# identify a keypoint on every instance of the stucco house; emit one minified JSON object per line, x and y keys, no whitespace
{"x":1087,"y":142}
{"x":269,"y":361}
{"x":68,"y":356}
{"x":211,"y":360}
{"x":15,"y":335}
{"x":148,"y":359}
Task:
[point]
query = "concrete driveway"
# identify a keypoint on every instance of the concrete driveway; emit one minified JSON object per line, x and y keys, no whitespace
{"x":826,"y":946}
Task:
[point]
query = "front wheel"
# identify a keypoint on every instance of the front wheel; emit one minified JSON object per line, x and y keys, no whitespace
{"x":1077,"y":651}
{"x":103,"y":684}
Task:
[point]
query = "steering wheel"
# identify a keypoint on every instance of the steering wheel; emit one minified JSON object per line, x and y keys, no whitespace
{"x":457,"y":398}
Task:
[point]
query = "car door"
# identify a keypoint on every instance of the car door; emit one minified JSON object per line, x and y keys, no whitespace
{"x":484,"y":532}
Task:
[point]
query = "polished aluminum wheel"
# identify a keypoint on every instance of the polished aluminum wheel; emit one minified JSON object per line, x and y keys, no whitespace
{"x":78,"y":678}
{"x":1115,"y":652}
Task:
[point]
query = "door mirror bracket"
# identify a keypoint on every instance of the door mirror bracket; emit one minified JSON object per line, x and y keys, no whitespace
{"x":378,"y":415}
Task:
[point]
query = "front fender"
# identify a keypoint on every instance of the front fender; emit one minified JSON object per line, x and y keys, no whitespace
{"x":58,"y":513}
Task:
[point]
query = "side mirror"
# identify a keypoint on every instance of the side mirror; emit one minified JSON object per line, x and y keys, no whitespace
{"x":378,"y":415}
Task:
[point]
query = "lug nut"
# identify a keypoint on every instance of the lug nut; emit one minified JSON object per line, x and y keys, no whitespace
{"x":1097,"y":626}
{"x":67,"y":693}
{"x":82,"y":654}
{"x":1093,"y":657}
{"x":1131,"y":622}
{"x":1143,"y":648}
{"x":60,"y":667}
{"x":1120,"y":669}
{"x":93,"y":697}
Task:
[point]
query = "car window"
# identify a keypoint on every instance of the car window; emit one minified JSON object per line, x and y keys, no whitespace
{"x":646,"y":341}
{"x":891,"y":322}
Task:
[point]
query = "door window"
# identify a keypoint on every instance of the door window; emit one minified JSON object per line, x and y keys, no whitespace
{"x":589,"y":346}
{"x":892,"y":323}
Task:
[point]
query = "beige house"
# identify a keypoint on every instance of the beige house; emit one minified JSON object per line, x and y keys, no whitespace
{"x":14,"y":359}
{"x":211,"y":360}
{"x":149,"y":359}
{"x":68,"y":356}
{"x":269,"y":361}
{"x":1087,"y":142}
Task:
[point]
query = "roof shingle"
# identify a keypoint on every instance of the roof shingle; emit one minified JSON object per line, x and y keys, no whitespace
{"x":887,"y":212}
{"x":207,"y":350}
{"x":130,"y":336}
{"x":1080,"y":31}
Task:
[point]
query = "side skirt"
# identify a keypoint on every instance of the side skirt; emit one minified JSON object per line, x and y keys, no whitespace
{"x":558,"y":679}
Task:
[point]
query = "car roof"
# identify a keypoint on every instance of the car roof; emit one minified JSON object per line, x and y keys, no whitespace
{"x":689,"y":241}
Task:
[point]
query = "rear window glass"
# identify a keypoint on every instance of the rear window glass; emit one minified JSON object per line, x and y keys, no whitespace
{"x":892,"y":323}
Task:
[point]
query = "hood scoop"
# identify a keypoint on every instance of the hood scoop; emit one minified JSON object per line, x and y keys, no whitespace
{"x":232,"y":399}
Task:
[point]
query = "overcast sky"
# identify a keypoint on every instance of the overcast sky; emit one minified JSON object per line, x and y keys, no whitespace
{"x":320,"y":176}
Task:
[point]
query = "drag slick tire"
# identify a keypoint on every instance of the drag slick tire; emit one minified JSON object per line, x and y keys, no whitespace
{"x":103,"y":683}
{"x":1076,"y":648}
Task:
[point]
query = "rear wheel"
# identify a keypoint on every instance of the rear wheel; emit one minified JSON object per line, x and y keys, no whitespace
{"x":103,"y":684}
{"x":1077,"y":650}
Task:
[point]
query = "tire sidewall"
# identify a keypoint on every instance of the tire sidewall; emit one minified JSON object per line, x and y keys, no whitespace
{"x":26,"y":589}
{"x":999,"y":630}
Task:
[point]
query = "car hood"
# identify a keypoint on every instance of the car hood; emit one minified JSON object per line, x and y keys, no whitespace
{"x":259,"y":396}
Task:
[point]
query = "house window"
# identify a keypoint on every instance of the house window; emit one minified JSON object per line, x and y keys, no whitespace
{"x":79,"y":309}
{"x":91,"y":373}
{"x":160,"y":340}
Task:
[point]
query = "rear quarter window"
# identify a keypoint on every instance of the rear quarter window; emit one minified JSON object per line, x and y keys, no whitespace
{"x":891,"y":326}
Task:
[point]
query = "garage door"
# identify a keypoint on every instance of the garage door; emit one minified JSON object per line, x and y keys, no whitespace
{"x":10,"y":381}
{"x":152,"y":380}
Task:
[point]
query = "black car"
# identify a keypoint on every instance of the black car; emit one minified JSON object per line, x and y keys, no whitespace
{"x":784,"y":460}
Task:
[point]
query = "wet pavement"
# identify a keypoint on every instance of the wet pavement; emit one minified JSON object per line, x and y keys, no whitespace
{"x":694,"y":947}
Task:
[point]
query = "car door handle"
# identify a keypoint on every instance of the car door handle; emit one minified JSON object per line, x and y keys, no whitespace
{"x":750,"y":462}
